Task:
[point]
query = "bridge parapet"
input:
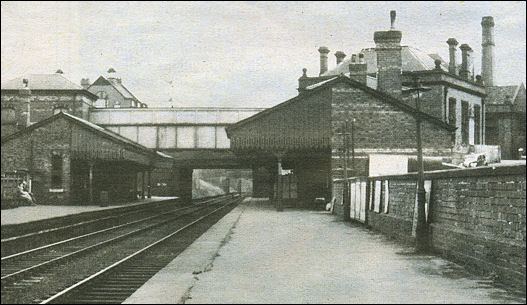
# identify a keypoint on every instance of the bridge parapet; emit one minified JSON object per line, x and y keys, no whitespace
{"x":182,"y":115}
{"x":173,"y":128}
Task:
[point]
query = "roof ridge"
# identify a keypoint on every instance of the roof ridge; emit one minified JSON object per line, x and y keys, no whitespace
{"x":392,"y":100}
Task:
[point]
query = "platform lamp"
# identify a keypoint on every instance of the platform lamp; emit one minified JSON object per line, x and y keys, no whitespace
{"x":421,"y":232}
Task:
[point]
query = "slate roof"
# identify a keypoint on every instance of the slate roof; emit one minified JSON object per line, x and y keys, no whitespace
{"x":117,"y":85}
{"x":96,"y":128}
{"x":54,"y":81}
{"x":497,"y":94}
{"x":412,"y":59}
{"x":316,"y":87}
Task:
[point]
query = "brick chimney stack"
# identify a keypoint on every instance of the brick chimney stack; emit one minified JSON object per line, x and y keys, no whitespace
{"x":452,"y":43}
{"x":388,"y":49}
{"x":324,"y":51}
{"x":358,"y":70}
{"x":340,"y":56}
{"x":466,"y":60}
{"x":85,"y":83}
{"x":487,"y":54}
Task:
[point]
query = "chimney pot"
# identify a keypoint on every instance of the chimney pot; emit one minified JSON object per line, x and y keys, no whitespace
{"x":324,"y":51}
{"x":393,"y":14}
{"x":437,"y":63}
{"x":340,"y":56}
{"x":353,"y":58}
{"x":452,"y":43}
{"x":304,"y":72}
{"x":361,"y":58}
{"x":466,"y":52}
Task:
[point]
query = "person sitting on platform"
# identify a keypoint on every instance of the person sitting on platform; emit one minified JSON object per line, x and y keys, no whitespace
{"x":24,"y":194}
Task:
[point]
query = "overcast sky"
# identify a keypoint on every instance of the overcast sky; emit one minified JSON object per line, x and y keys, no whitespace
{"x":239,"y":54}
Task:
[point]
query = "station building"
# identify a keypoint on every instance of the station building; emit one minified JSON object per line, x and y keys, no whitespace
{"x":301,"y":142}
{"x":305,"y":137}
{"x":30,"y":99}
{"x":506,"y":120}
{"x":71,"y":160}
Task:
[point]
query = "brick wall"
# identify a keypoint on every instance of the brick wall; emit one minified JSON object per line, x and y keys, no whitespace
{"x":477,"y":217}
{"x":33,"y":152}
{"x":378,"y":127}
{"x":42,"y":105}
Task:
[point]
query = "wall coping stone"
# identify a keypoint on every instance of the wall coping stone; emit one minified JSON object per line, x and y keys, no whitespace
{"x":456,"y":173}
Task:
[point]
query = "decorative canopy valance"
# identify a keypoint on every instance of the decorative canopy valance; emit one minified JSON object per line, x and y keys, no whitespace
{"x":280,"y":143}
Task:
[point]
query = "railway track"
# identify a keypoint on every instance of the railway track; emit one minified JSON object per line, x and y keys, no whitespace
{"x":39,"y":266}
{"x":47,"y":234}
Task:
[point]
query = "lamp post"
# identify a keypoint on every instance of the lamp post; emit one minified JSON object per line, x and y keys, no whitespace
{"x":421,"y":231}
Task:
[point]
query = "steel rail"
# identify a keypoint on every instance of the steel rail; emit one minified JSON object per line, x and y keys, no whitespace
{"x":126,"y":259}
{"x":9,"y":239}
{"x":94,"y":246}
{"x":89,"y":234}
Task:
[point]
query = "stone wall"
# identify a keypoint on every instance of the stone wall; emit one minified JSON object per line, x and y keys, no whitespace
{"x":398,"y":220}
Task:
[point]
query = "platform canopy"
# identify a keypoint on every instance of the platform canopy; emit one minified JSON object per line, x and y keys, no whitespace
{"x":300,"y":124}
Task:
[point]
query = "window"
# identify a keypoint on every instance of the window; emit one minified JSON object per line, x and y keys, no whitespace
{"x":102,"y":101}
{"x":452,"y":111}
{"x":477,"y":124}
{"x":56,"y":171}
{"x":464,"y":122}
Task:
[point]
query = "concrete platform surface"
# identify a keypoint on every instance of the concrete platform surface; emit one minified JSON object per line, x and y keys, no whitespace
{"x":258,"y":255}
{"x":33,"y":213}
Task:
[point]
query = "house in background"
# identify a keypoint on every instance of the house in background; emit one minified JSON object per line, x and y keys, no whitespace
{"x":456,"y":95}
{"x":32,"y":98}
{"x":506,"y":119}
{"x":111,"y":92}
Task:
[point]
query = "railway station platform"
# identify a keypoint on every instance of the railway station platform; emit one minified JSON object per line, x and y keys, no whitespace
{"x":26,"y":214}
{"x":257,"y":255}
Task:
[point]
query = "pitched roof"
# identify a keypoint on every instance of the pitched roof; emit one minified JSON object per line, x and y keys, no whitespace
{"x":42,"y":82}
{"x":317,"y":87}
{"x":412,"y":59}
{"x":85,"y":124}
{"x":116,"y":84}
{"x":497,"y":94}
